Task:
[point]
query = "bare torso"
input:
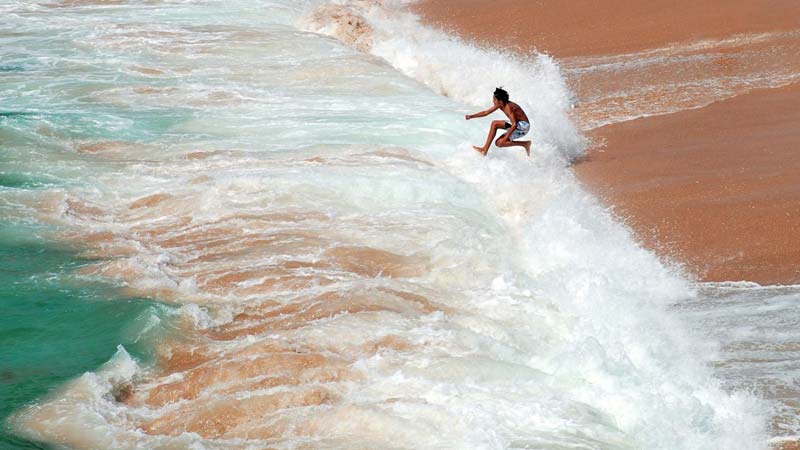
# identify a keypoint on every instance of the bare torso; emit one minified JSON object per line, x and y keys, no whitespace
{"x":515,"y":112}
{"x":516,"y":115}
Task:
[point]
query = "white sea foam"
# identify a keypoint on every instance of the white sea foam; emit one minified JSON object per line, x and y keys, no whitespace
{"x":524,"y":315}
{"x":458,"y":70}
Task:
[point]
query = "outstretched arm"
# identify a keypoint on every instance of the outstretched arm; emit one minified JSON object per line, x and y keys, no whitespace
{"x":482,"y":113}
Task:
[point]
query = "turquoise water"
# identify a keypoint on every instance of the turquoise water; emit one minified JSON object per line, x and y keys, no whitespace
{"x":53,"y":327}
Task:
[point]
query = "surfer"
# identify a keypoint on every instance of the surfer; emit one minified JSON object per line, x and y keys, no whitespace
{"x":517,"y":127}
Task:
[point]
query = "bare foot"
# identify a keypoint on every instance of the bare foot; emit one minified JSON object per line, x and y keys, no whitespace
{"x":479,"y":150}
{"x":527,"y":145}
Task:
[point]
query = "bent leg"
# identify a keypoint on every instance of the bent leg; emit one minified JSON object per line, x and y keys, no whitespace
{"x":504,"y":141}
{"x":496,"y":125}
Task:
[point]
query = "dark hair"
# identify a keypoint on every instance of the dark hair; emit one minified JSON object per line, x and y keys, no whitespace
{"x":501,"y":95}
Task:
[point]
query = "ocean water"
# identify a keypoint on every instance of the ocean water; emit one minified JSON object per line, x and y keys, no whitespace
{"x":260,"y":224}
{"x":53,"y":326}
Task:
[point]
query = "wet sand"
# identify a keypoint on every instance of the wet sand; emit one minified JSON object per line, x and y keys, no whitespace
{"x":716,"y":187}
{"x":586,"y":27}
{"x":710,"y":178}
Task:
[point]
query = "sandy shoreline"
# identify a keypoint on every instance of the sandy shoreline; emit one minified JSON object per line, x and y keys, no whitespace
{"x":715,"y":186}
{"x":587,"y":28}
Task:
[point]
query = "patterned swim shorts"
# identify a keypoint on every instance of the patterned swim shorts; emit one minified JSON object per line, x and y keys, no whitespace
{"x":521,"y":130}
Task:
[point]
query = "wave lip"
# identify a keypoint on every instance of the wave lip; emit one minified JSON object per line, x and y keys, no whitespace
{"x":453,"y":68}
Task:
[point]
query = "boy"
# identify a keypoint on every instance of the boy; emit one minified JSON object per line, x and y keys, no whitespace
{"x":518,"y":127}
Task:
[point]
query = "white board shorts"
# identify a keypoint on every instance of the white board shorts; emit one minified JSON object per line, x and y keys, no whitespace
{"x":522,"y":129}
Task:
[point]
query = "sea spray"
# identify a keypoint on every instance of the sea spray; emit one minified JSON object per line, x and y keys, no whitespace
{"x":451,"y":67}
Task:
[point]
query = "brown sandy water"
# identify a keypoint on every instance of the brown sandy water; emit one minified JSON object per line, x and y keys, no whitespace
{"x":261,"y":374}
{"x":330,"y":272}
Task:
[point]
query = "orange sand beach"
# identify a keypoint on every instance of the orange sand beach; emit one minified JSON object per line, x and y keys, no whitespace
{"x":720,"y":182}
{"x":693,"y":109}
